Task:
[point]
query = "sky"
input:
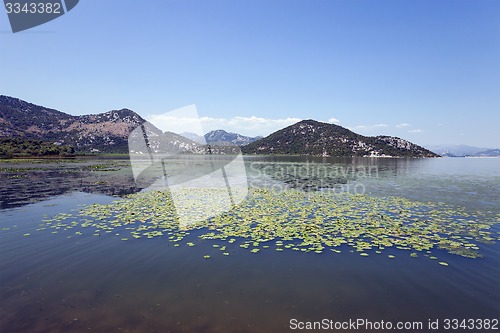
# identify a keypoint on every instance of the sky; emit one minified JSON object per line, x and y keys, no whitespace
{"x":425,"y":70}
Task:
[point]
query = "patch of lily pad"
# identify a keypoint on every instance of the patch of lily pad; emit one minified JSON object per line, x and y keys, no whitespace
{"x":297,"y":220}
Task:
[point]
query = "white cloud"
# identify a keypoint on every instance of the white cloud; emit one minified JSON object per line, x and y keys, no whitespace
{"x":415,"y":131}
{"x":333,"y":120}
{"x":251,"y":126}
{"x":402,"y":125}
{"x":370,"y":127}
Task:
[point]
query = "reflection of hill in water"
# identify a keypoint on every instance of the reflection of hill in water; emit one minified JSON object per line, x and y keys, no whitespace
{"x":306,"y":177}
{"x":25,"y":183}
{"x":316,"y":173}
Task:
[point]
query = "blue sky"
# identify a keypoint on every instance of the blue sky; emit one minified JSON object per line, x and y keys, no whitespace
{"x":426,"y":71}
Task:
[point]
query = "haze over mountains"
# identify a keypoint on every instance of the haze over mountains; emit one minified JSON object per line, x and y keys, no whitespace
{"x":108,"y":133}
{"x":464,"y":151}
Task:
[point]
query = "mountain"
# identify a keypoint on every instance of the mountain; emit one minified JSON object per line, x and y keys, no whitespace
{"x":223,"y":138}
{"x":193,"y":137}
{"x":464,"y":151}
{"x":310,"y":137}
{"x":488,"y":153}
{"x":220,"y":138}
{"x":22,"y":119}
{"x":455,"y":150}
{"x":33,"y":125}
{"x":109,"y":133}
{"x":105,"y":132}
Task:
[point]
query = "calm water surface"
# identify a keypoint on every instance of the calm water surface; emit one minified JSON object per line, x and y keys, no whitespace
{"x":52,"y":283}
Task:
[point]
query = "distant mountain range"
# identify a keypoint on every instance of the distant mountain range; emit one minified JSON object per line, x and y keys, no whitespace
{"x":464,"y":151}
{"x":108,"y":133}
{"x":221,"y":138}
{"x":310,"y":137}
{"x":487,"y":153}
{"x":193,"y":137}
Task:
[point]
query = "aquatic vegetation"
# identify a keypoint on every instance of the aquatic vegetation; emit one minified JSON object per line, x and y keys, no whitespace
{"x":297,"y":220}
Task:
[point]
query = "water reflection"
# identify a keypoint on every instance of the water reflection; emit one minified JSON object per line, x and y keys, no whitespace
{"x":68,"y":283}
{"x":466,"y":182}
{"x":28,"y":182}
{"x":310,"y":173}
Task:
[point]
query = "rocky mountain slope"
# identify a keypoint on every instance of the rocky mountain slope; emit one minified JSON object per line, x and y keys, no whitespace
{"x":105,"y":132}
{"x":95,"y":133}
{"x":310,"y":137}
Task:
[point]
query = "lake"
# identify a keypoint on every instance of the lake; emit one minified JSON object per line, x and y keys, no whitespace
{"x":71,"y":273}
